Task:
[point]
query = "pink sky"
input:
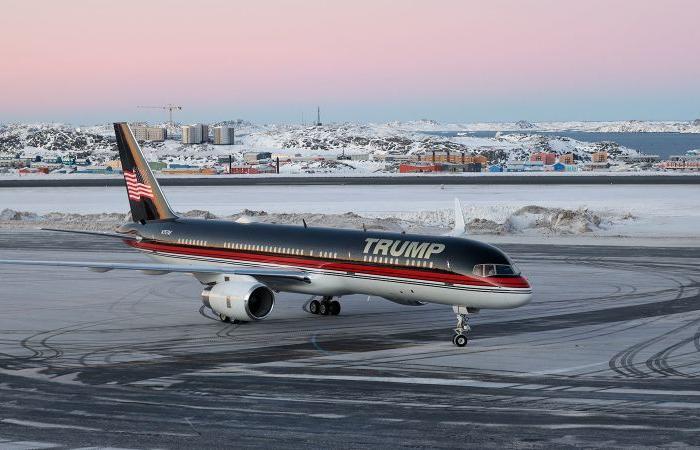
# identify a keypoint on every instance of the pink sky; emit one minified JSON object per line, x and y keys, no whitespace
{"x":269,"y":59}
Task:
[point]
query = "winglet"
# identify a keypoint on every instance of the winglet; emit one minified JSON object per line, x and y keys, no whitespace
{"x":460,"y":226}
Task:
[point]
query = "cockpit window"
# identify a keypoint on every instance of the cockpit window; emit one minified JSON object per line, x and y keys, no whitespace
{"x":495,"y":270}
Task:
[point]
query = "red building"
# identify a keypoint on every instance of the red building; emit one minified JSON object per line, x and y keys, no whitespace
{"x":547,"y":158}
{"x":246,"y":169}
{"x":419,"y":167}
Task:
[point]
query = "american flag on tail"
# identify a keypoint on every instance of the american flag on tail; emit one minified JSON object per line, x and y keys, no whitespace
{"x":135,"y":185}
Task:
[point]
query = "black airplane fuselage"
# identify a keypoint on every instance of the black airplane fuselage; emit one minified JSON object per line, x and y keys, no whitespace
{"x":410,"y":259}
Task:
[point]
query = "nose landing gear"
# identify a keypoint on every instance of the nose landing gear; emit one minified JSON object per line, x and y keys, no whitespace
{"x":460,"y":340}
{"x":325,"y":307}
{"x":460,"y":337}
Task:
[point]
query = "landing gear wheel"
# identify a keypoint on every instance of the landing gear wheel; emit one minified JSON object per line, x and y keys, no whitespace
{"x":460,"y":340}
{"x":460,"y":337}
{"x":314,"y":307}
{"x":324,"y":308}
{"x":224,"y":318}
{"x":334,"y":308}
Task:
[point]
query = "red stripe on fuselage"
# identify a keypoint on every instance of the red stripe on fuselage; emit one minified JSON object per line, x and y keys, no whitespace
{"x":315,"y":263}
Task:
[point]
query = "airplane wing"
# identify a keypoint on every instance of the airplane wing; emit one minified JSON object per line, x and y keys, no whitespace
{"x":96,"y":233}
{"x":161,"y":269}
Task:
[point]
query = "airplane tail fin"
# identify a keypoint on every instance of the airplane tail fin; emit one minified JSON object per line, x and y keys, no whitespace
{"x":460,"y":227}
{"x":145,"y":196}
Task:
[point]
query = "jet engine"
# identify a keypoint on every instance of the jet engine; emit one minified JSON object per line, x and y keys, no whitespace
{"x":242,"y":298}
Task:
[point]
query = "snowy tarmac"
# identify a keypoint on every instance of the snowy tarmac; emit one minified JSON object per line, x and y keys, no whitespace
{"x":608,"y":354}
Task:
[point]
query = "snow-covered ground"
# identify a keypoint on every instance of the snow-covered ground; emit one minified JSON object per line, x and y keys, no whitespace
{"x":515,"y":213}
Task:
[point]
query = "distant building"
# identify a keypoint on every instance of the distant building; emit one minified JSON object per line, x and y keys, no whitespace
{"x":255,"y":157}
{"x":115,"y":164}
{"x":191,"y":134}
{"x":495,"y":168}
{"x":145,"y":133}
{"x":447,"y":156}
{"x":95,"y":169}
{"x":195,"y":134}
{"x":223,"y":135}
{"x":252,"y":169}
{"x":157,"y":165}
{"x":425,"y":166}
{"x":225,"y":159}
{"x":392,"y":157}
{"x":545,"y":157}
{"x":596,"y":167}
{"x":471,"y":167}
{"x":599,"y":157}
{"x":681,"y":164}
{"x":640,"y":158}
{"x":515,"y":166}
{"x":419,"y":167}
{"x":559,"y":167}
{"x":11,"y":161}
{"x":52,"y":160}
{"x":46,"y":165}
{"x":31,"y":170}
{"x":566,"y":159}
{"x":534,"y":166}
{"x":190,"y":171}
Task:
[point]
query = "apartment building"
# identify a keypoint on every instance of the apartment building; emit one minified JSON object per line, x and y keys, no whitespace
{"x":223,"y":135}
{"x":146,"y":133}
{"x":195,"y":134}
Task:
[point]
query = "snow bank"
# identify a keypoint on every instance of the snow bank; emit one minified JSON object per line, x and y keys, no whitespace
{"x":529,"y":219}
{"x":558,"y":220}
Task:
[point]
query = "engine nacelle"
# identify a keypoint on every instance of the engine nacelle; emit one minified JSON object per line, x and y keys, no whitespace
{"x":241,"y":298}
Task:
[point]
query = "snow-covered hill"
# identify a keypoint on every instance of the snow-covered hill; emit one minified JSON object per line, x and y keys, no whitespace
{"x":628,"y":126}
{"x":371,"y":143}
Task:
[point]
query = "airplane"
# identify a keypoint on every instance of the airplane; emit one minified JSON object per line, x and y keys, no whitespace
{"x":243,"y":265}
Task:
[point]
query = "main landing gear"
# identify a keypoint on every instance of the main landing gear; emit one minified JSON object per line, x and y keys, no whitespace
{"x":460,"y":337}
{"x":327,"y":306}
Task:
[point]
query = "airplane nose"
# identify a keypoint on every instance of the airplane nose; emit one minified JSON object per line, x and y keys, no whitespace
{"x":525,"y":282}
{"x":513,"y":282}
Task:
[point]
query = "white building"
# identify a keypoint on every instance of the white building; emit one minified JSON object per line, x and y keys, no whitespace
{"x":223,"y":135}
{"x":195,"y":134}
{"x":256,"y":157}
{"x":144,"y":133}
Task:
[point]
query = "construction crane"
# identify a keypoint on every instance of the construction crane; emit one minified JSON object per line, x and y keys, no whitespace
{"x":169,"y":107}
